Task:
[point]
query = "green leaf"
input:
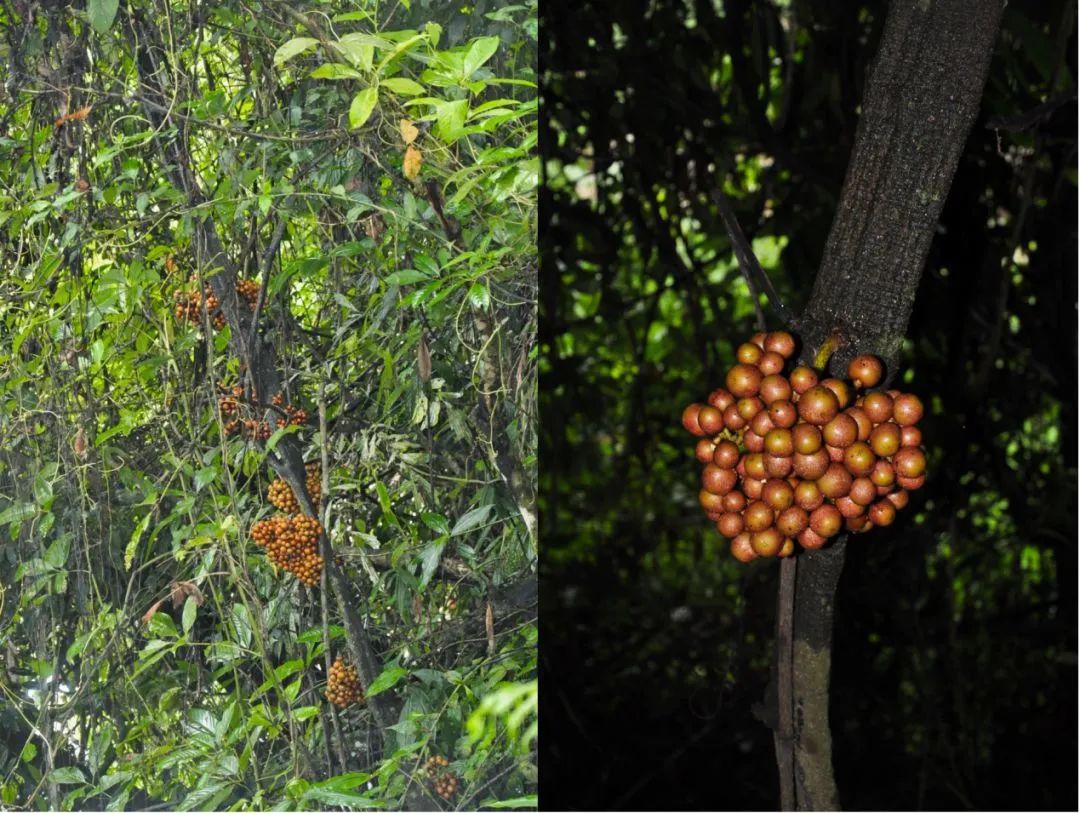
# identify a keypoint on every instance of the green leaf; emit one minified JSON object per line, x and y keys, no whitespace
{"x":188,"y":618}
{"x":101,"y":14}
{"x":29,"y":751}
{"x":162,"y":626}
{"x":345,"y":781}
{"x":471,"y":519}
{"x":133,"y":543}
{"x":437,"y":523}
{"x":359,"y":49}
{"x":407,"y":276}
{"x":342,"y":798}
{"x":335,"y":70}
{"x":305,"y":712}
{"x":479,"y":297}
{"x":242,"y":622}
{"x":205,"y":476}
{"x":362,"y":104}
{"x":206,"y":798}
{"x":402,"y":86}
{"x":480,"y":51}
{"x":389,"y":678}
{"x":289,"y":667}
{"x":517,"y":801}
{"x":429,"y":560}
{"x":17,"y":513}
{"x":450,"y":117}
{"x":68,"y":775}
{"x":57,"y":553}
{"x":292,"y":48}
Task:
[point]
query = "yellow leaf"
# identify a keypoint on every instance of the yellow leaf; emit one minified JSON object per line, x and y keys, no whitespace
{"x":409,"y":131}
{"x":413,"y":161}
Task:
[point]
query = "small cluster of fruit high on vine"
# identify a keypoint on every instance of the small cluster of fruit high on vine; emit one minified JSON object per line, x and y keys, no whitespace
{"x":189,"y":303}
{"x":796,"y":459}
{"x":343,"y":684}
{"x":443,"y":782}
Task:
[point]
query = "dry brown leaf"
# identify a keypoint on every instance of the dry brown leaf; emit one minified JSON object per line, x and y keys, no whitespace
{"x":489,"y":627}
{"x":80,"y":443}
{"x":374,"y":226}
{"x":409,"y":131}
{"x":153,"y":609}
{"x":423,"y":360}
{"x":78,"y":115}
{"x":413,"y":161}
{"x":179,"y":591}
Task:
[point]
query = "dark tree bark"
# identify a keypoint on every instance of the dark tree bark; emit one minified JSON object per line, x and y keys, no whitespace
{"x":921,"y":100}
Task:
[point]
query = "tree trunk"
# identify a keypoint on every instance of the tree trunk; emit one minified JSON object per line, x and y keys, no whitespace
{"x":921,"y":100}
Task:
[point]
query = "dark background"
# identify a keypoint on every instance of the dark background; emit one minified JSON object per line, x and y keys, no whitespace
{"x":954,"y":665}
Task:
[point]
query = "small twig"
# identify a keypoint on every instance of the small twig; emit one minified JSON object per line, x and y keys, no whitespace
{"x":748,"y":263}
{"x":1029,"y":118}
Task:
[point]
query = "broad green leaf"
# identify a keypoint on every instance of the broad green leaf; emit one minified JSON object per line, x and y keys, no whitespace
{"x":292,"y":48}
{"x":479,"y":296}
{"x":362,"y":104}
{"x":342,"y":798}
{"x":68,"y":775}
{"x":471,"y":519}
{"x":480,"y":51}
{"x":205,"y":476}
{"x":388,"y":679}
{"x":16,"y":513}
{"x":402,"y":86}
{"x":517,"y":801}
{"x":450,"y":117}
{"x":359,"y":49}
{"x":407,"y":276}
{"x":290,"y":667}
{"x":206,"y":798}
{"x":429,"y":560}
{"x":133,"y":543}
{"x":101,"y":14}
{"x":345,"y":781}
{"x":188,"y":618}
{"x":335,"y":70}
{"x":57,"y":553}
{"x":162,"y":626}
{"x":78,"y":645}
{"x":437,"y":523}
{"x":242,"y":622}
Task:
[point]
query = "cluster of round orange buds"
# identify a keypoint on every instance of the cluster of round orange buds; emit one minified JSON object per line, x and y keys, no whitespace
{"x":293,"y":415}
{"x":343,"y":684}
{"x":292,"y":543}
{"x":189,"y":304}
{"x":249,"y":427}
{"x":446,"y":785}
{"x":248,"y":290}
{"x":794,"y":458}
{"x":443,"y":782}
{"x":296,"y":417}
{"x":281,"y":494}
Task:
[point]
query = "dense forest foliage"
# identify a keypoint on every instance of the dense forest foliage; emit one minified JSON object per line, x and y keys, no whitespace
{"x":954,"y":663}
{"x":237,"y":238}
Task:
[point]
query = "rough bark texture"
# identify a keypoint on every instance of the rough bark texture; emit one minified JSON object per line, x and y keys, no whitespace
{"x":921,"y":100}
